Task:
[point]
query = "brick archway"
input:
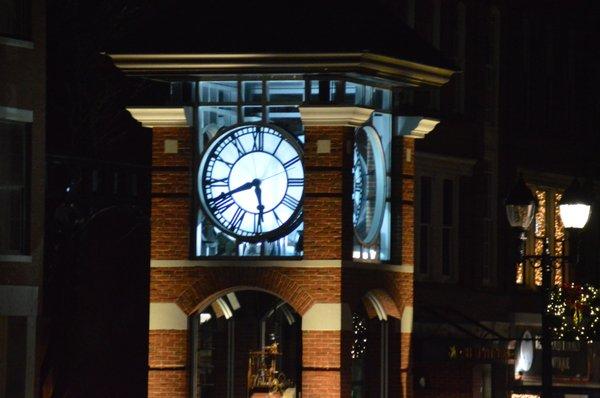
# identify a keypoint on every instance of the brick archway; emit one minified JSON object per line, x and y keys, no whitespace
{"x":214,"y":283}
{"x":378,"y":303}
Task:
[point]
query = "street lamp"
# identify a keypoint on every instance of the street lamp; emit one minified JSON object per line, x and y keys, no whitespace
{"x":574,"y":209}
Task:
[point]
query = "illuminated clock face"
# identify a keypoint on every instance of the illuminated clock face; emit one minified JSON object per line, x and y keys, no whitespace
{"x":251,"y":182}
{"x":369,"y":191}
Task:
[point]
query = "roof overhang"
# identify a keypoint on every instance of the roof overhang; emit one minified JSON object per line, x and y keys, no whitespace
{"x":395,"y":70}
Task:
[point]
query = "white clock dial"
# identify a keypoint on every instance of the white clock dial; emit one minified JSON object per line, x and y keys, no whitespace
{"x":369,"y":185}
{"x":251,"y":182}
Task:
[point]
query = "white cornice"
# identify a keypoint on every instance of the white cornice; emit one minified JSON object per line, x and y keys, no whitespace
{"x":319,"y":115}
{"x":161,"y":117}
{"x":415,"y":126}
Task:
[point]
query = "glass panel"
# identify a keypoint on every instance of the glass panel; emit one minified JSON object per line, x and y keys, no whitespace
{"x":252,"y":91}
{"x":218,"y":91}
{"x":354,"y":93}
{"x":446,"y":251}
{"x":15,"y":18}
{"x":448,"y":199}
{"x":381,"y":98}
{"x":286,"y":91}
{"x":287,"y":117}
{"x":252,"y":113}
{"x":424,"y":249}
{"x":425,"y":202}
{"x":13,"y":356}
{"x":13,"y":187}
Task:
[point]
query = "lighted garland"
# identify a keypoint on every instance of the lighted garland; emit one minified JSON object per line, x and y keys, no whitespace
{"x":359,"y":334}
{"x":576,"y":312}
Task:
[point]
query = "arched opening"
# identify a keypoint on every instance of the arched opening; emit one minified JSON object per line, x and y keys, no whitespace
{"x":245,"y":343}
{"x":375,"y":348}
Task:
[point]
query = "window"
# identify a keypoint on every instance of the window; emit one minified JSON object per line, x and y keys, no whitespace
{"x":437,"y":183}
{"x":15,"y":19}
{"x":14,"y":187}
{"x":13,"y":348}
{"x":546,"y":224}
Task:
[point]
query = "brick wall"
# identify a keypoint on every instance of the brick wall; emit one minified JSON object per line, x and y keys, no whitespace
{"x":167,"y":349}
{"x":167,"y":384}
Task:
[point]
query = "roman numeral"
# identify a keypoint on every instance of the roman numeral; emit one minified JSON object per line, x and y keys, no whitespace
{"x":221,"y":203}
{"x":237,"y":219}
{"x":220,"y":159}
{"x":216,"y":182}
{"x":257,"y":223}
{"x":259,"y":140}
{"x":277,"y":147}
{"x":238,"y":146}
{"x":277,"y":219}
{"x":291,"y":162}
{"x":290,"y":202}
{"x":295,"y":182}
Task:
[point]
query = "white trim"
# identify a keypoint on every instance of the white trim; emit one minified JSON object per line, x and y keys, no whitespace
{"x":16,"y":114}
{"x":167,"y":316}
{"x":379,"y":310}
{"x":18,"y":300}
{"x":334,"y":115}
{"x":406,"y":322}
{"x":15,"y":258}
{"x":9,"y":41}
{"x":162,"y":117}
{"x":323,"y":316}
{"x":403,"y":268}
{"x":415,"y":126}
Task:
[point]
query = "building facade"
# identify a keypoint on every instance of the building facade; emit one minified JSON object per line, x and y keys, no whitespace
{"x":518,"y":107}
{"x":22,"y":129}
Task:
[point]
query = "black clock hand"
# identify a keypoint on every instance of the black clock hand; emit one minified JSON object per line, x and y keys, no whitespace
{"x":260,"y":206}
{"x":241,"y":188}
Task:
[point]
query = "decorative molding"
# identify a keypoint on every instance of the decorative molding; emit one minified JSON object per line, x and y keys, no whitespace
{"x":16,"y":114}
{"x":162,"y":117}
{"x":364,"y":63}
{"x":9,"y":41}
{"x":434,"y":163}
{"x":167,"y":316}
{"x":404,"y":268}
{"x":415,"y":126}
{"x":332,"y":115}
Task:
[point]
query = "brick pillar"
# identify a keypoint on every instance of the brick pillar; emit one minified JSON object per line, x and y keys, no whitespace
{"x":403,"y":244}
{"x":321,"y":377}
{"x":170,"y":231}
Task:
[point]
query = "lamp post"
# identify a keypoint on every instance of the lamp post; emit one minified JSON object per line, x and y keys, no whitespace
{"x":574,"y":209}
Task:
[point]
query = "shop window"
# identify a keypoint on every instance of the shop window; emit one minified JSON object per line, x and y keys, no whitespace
{"x":15,"y":19}
{"x":14,"y":187}
{"x":546,"y":224}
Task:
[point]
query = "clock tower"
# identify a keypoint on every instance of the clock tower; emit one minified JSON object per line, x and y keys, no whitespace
{"x":282,"y":221}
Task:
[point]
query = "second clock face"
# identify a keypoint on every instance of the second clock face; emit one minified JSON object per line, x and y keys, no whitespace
{"x":251,"y":182}
{"x":369,"y":190}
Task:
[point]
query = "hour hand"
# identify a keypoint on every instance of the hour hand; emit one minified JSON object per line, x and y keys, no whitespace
{"x":244,"y":187}
{"x":260,"y":206}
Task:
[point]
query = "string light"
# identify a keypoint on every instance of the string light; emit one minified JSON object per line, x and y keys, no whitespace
{"x":576,"y":310}
{"x":359,"y":343}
